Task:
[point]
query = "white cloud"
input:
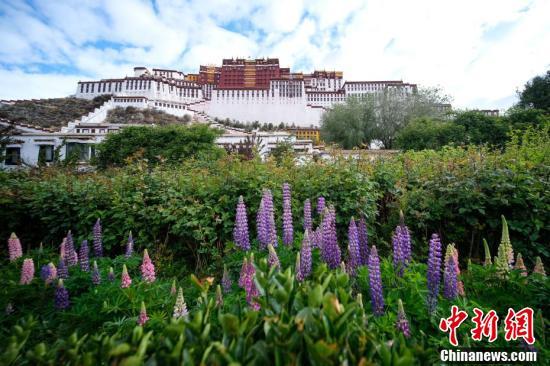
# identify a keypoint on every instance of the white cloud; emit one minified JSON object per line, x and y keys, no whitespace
{"x":480,"y":52}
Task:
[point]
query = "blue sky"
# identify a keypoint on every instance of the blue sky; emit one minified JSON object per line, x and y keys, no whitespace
{"x":479,"y":52}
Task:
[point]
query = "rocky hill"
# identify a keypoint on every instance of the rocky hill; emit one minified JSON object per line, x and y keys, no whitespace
{"x":144,"y":116}
{"x":55,"y":112}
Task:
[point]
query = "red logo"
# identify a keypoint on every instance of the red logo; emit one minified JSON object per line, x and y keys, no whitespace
{"x":519,"y":325}
{"x":486,"y":326}
{"x":452,"y":323}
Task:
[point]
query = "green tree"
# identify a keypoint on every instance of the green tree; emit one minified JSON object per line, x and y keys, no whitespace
{"x":536,"y":93}
{"x":171,"y":143}
{"x":379,"y":116}
{"x":428,"y":133}
{"x":481,"y":129}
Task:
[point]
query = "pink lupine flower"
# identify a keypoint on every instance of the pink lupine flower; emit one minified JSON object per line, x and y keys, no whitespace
{"x":147,"y":268}
{"x":142,"y":318}
{"x":27,"y":271}
{"x":126,"y":281}
{"x":14,"y":247}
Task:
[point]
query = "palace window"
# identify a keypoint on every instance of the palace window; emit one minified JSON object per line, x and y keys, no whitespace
{"x":80,"y":151}
{"x":13,"y":156}
{"x":45,"y":152}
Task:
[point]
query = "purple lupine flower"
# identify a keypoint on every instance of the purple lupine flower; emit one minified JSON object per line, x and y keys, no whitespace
{"x":308,"y":224}
{"x":98,"y":240}
{"x":305,"y":258}
{"x":288,"y":230}
{"x":330,"y":251}
{"x":249,"y":285}
{"x":405,"y":239}
{"x":450,"y":284}
{"x":142,"y":318}
{"x":147,"y":268}
{"x":363,"y":241}
{"x":375,"y":281}
{"x":402,"y":323}
{"x":129,"y":246}
{"x":320,"y":205}
{"x":452,"y":251}
{"x":70,"y":253}
{"x":62,"y":270}
{"x":96,"y":276}
{"x":48,"y":273}
{"x":243,"y":274}
{"x":27,"y":271}
{"x":267,"y":233}
{"x":61,"y":296}
{"x":316,"y":237}
{"x":353,"y":248}
{"x":240,"y":232}
{"x":434,"y":272}
{"x":226,"y":280}
{"x":125,"y":281}
{"x":111,"y":275}
{"x":398,"y":259}
{"x":14,"y":247}
{"x":83,"y":253}
{"x":272,"y":258}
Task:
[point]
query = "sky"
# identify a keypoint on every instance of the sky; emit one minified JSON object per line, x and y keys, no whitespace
{"x":479,"y":52}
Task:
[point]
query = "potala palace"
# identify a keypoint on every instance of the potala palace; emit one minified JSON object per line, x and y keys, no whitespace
{"x":245,"y":90}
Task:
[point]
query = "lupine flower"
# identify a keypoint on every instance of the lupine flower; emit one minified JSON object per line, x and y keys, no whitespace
{"x":98,"y":239}
{"x":27,"y":272}
{"x":14,"y":247}
{"x":142,"y":318}
{"x":70,"y":253}
{"x":505,"y":253}
{"x":180,"y":308}
{"x":398,"y":258}
{"x":288,"y":230}
{"x":363,"y":241}
{"x":249,"y":284}
{"x":83,"y":256}
{"x":434,"y":272}
{"x":353,"y":248}
{"x":226,"y":280}
{"x":330,"y":251}
{"x":240,"y":232}
{"x":375,"y":281}
{"x":487,"y":261}
{"x":520,"y":265}
{"x":539,"y":267}
{"x":243,"y":274}
{"x":147,"y":268}
{"x":48,"y":273}
{"x":402,"y":323}
{"x":316,"y":238}
{"x":96,"y":276}
{"x":308,"y":224}
{"x":63,"y":248}
{"x":452,"y":251}
{"x":173,"y":288}
{"x":129,"y":246}
{"x":450,"y":285}
{"x":272,"y":258}
{"x":126,"y":281}
{"x":297,"y":269}
{"x":61,"y":296}
{"x":219,"y":296}
{"x":111,"y":275}
{"x":405,"y":238}
{"x":320,"y":205}
{"x":62,"y":270}
{"x":305,"y":258}
{"x":265,"y":221}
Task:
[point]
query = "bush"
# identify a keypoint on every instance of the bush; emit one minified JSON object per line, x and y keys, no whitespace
{"x":167,"y":144}
{"x":428,"y":133}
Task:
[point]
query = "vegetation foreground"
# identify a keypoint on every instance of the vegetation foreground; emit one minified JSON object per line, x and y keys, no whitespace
{"x":244,"y":262}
